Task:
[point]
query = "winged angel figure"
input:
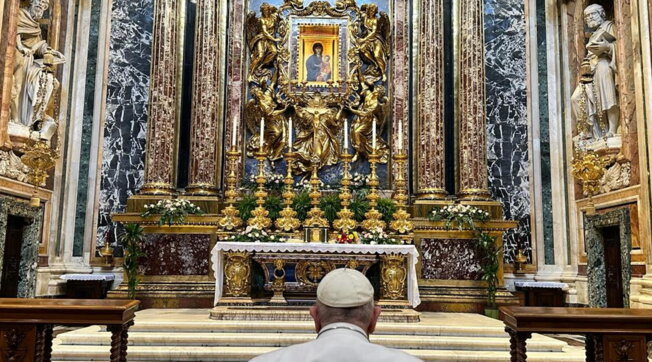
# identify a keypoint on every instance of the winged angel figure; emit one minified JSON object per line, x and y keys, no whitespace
{"x":262,"y":42}
{"x":264,"y":104}
{"x":374,"y":46}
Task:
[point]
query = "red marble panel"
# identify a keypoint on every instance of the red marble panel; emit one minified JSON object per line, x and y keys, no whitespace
{"x":450,"y":259}
{"x":176,"y":254}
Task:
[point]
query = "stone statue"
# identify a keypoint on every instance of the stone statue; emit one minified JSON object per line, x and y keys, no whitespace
{"x":34,"y":82}
{"x":595,"y":102}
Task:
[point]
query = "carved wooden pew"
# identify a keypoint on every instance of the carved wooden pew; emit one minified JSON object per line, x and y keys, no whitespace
{"x":611,"y":334}
{"x":26,"y":324}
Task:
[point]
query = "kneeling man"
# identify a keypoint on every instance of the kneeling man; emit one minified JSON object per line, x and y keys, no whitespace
{"x":345,"y":316}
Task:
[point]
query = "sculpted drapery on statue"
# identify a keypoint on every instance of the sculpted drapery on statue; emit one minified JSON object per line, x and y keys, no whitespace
{"x":348,"y":48}
{"x":595,"y":102}
{"x":34,"y":83}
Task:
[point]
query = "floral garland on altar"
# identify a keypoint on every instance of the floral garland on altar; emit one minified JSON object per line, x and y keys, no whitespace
{"x":253,"y":235}
{"x":171,"y":211}
{"x":374,"y":237}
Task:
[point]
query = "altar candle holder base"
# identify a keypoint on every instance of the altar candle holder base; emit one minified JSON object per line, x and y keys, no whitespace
{"x":401,"y":223}
{"x":288,"y":222}
{"x":230,"y":219}
{"x":260,"y":216}
{"x":315,"y":215}
{"x":278,"y":285}
{"x":345,"y":222}
{"x":373,"y":217}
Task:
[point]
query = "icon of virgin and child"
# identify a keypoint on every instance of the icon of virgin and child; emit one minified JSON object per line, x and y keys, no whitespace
{"x":318,"y":65}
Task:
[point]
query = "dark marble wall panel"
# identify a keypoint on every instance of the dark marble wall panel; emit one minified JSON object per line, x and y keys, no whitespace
{"x":507,"y":121}
{"x":126,"y":108}
{"x":450,"y":259}
{"x":176,"y":254}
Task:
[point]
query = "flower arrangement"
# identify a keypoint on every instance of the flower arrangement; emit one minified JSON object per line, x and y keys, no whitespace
{"x":359,"y":180}
{"x":273,"y":181}
{"x":462,"y":215}
{"x":254,"y":235}
{"x":344,"y":238}
{"x":171,"y":211}
{"x":377,"y":237}
{"x":465,"y":216}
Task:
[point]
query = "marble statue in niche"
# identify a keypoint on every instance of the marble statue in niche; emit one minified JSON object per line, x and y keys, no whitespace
{"x":595,"y":101}
{"x":34,"y":83}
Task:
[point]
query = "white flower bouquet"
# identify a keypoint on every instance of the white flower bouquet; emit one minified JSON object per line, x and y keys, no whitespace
{"x":172,"y":211}
{"x":462,"y":215}
{"x":377,"y":237}
{"x":254,"y":235}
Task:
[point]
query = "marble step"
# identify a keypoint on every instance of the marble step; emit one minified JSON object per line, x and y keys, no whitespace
{"x":94,"y":337}
{"x":142,"y":353}
{"x":308,"y":327}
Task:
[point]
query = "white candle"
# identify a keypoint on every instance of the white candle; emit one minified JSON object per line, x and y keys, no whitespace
{"x":346,"y":135}
{"x":233,"y":134}
{"x":373,"y":137}
{"x":262,"y":131}
{"x":400,"y":135}
{"x":290,"y":134}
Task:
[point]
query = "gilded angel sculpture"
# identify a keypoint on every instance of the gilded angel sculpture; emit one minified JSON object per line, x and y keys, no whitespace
{"x":372,"y":108}
{"x":264,"y":105}
{"x":318,"y":128}
{"x":373,"y":46}
{"x":34,"y":84}
{"x":263,"y":45}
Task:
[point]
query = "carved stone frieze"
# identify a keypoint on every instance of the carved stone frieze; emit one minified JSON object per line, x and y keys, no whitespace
{"x":161,"y":126}
{"x":472,"y":94}
{"x":430,"y":104}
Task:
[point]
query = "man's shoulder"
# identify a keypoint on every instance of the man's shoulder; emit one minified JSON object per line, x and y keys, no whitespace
{"x":282,"y":354}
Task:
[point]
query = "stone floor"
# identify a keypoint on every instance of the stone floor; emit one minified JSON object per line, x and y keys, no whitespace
{"x":189,"y":335}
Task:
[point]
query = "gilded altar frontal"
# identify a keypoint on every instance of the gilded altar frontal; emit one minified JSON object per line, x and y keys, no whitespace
{"x":472,"y":163}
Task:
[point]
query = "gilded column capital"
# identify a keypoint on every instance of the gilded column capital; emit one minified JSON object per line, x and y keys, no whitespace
{"x":163,"y":92}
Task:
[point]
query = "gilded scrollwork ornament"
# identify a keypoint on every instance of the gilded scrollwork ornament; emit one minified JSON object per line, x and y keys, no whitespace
{"x":237,"y":274}
{"x":393,"y":276}
{"x":347,"y":79}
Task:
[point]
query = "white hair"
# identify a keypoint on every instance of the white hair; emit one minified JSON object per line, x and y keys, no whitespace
{"x":355,"y":315}
{"x":595,"y":7}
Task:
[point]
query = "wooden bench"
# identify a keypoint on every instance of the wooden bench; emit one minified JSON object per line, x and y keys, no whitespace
{"x":26,"y":324}
{"x":611,"y":334}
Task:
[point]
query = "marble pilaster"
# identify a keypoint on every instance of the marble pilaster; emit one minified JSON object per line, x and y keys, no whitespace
{"x":400,"y":86}
{"x":7,"y":44}
{"x":206,"y":105}
{"x":430,"y":101}
{"x":161,"y":127}
{"x":472,"y":95}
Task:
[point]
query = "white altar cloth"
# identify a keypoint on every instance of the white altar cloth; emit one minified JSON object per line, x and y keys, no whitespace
{"x":217,"y":257}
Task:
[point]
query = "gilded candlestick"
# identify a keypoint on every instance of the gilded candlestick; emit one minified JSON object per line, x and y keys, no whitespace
{"x":288,"y":221}
{"x":345,"y":222}
{"x":401,"y":223}
{"x":373,"y":217}
{"x":230,"y":219}
{"x":315,"y":215}
{"x":260,"y":216}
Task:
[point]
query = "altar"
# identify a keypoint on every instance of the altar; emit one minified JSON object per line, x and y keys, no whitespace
{"x":292,"y":271}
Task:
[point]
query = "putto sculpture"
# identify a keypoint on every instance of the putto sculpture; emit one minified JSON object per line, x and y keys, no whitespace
{"x":34,"y":82}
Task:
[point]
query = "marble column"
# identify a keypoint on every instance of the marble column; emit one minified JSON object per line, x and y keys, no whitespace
{"x":206,"y":105}
{"x":430,"y":101}
{"x":472,"y":113}
{"x":161,"y":126}
{"x":8,"y":20}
